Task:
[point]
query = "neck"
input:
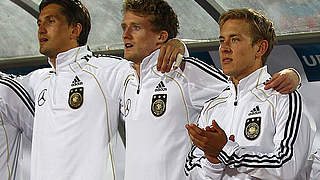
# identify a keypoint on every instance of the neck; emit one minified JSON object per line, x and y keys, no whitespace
{"x":236,"y":78}
{"x":137,"y":68}
{"x":53,"y":61}
{"x":235,"y":81}
{"x":137,"y":63}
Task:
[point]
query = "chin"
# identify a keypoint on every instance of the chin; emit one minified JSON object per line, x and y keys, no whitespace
{"x":126,"y":57}
{"x":43,"y":51}
{"x":226,"y":71}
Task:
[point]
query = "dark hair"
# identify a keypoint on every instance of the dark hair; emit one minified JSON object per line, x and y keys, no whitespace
{"x":75,"y":12}
{"x":162,"y":16}
{"x":261,"y":27}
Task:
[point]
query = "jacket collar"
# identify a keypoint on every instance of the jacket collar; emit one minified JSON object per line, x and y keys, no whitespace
{"x":149,"y":62}
{"x":255,"y":79}
{"x":70,"y":58}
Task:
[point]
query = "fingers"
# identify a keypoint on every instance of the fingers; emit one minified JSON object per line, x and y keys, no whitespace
{"x":167,"y":56}
{"x":282,"y":83}
{"x":195,"y":131}
{"x":210,"y":128}
{"x":285,"y":90}
{"x":196,"y":135}
{"x":161,"y":57}
{"x":272,"y":82}
{"x":172,"y":59}
{"x":166,"y":60}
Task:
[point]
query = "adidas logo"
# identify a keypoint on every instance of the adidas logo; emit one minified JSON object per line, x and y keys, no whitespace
{"x":160,"y":87}
{"x":76,"y":82}
{"x":255,"y":111}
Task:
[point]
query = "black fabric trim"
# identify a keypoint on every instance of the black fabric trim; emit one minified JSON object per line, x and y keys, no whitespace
{"x":189,"y":166}
{"x":107,"y":55}
{"x":286,"y":145}
{"x":20,"y":91}
{"x":213,"y":98}
{"x":215,"y":72}
{"x":88,"y":57}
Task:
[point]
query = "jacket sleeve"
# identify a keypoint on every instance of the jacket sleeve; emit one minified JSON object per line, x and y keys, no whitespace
{"x":204,"y":81}
{"x":315,"y":165}
{"x":17,"y":107}
{"x":292,"y":144}
{"x":197,"y":165}
{"x":31,"y":80}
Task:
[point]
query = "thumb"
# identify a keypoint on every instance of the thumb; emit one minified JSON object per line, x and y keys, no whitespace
{"x":216,"y":127}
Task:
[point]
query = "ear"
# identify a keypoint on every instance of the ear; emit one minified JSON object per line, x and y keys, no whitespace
{"x":75,"y":32}
{"x":163,"y":36}
{"x":262,"y":47}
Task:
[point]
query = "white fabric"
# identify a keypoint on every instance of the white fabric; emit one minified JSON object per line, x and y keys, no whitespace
{"x":157,"y":146}
{"x":313,"y":166}
{"x":284,"y":56}
{"x":72,"y":144}
{"x":279,"y":151}
{"x":16,"y":121}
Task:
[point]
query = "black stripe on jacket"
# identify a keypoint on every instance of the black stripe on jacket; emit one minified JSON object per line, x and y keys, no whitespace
{"x":20,"y":91}
{"x":285,"y":152}
{"x":216,"y":73}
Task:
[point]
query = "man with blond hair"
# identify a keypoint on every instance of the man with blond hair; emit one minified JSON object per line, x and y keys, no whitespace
{"x":269,"y":133}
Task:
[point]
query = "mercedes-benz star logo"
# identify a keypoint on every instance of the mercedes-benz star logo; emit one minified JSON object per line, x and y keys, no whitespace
{"x":41,"y":99}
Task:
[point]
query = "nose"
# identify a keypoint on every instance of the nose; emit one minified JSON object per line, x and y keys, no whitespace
{"x":126,"y":34}
{"x":225,"y":46}
{"x":41,"y":29}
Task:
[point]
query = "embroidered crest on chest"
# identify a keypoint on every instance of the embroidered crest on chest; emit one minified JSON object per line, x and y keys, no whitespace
{"x":159,"y":104}
{"x":75,"y":99}
{"x":252,"y":127}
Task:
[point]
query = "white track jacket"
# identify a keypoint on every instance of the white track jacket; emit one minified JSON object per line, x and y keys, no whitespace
{"x":76,"y":116}
{"x":16,"y":121}
{"x":272,"y":134}
{"x":156,"y":108}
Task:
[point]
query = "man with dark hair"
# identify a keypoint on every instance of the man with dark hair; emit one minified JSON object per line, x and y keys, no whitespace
{"x":156,"y":107}
{"x":270,"y":136}
{"x":76,"y":100}
{"x":74,"y":13}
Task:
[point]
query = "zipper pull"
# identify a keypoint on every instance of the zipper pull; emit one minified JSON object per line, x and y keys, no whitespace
{"x":138,"y":90}
{"x":235,"y":103}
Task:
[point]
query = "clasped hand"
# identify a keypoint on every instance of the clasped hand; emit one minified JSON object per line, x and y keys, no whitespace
{"x":210,"y":140}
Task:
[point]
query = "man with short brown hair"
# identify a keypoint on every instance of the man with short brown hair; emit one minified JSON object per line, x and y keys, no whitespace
{"x":269,"y":133}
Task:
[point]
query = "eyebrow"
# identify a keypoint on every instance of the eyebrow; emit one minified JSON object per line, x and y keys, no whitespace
{"x":47,"y":17}
{"x":231,"y":35}
{"x":132,"y":23}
